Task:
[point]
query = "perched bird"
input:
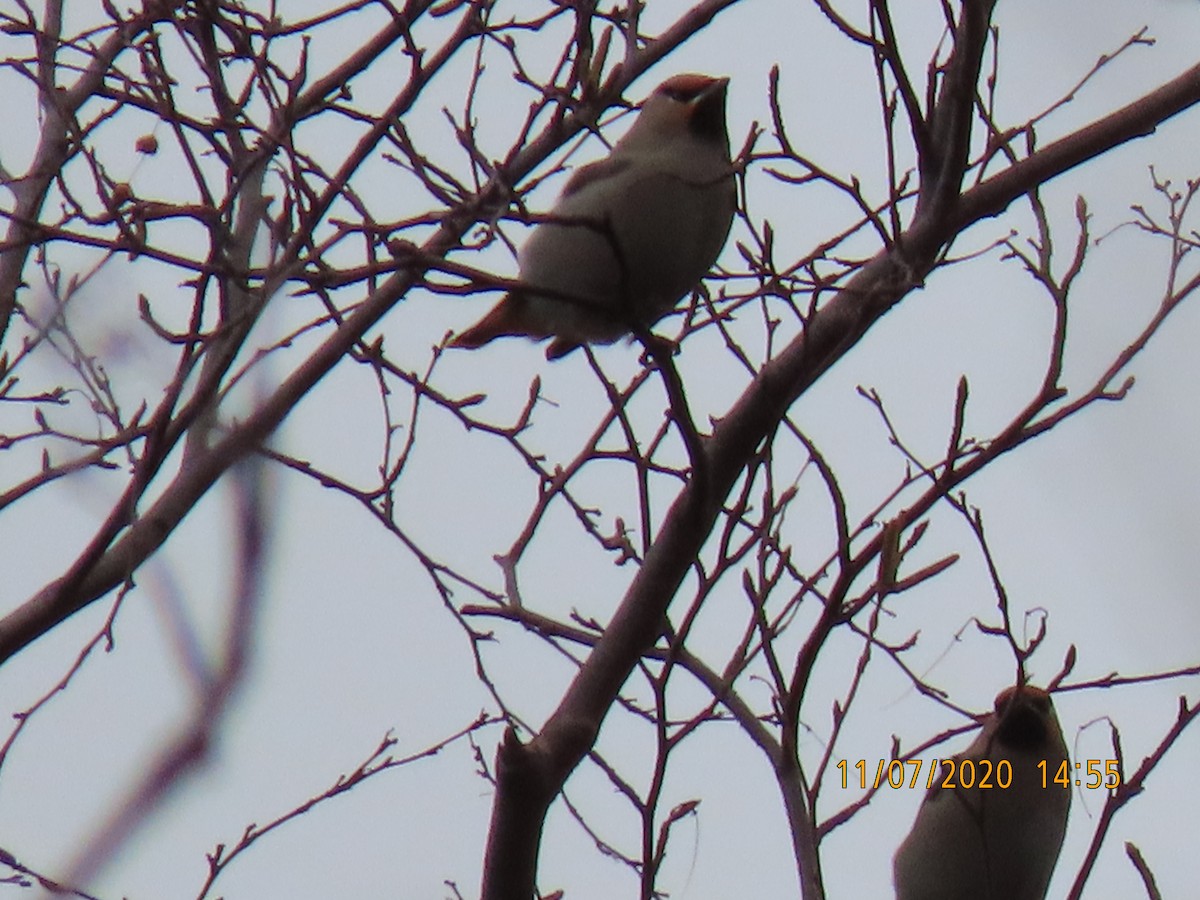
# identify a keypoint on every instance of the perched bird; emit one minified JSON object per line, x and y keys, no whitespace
{"x":632,"y":233}
{"x":994,"y":843}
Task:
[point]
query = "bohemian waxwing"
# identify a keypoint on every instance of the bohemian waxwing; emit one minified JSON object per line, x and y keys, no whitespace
{"x":993,"y":843}
{"x":632,"y":233}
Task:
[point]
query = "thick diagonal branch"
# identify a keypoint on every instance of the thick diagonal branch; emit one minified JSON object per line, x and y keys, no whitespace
{"x":530,"y":775}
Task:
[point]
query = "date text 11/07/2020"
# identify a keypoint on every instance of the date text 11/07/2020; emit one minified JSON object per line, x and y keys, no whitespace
{"x":979,"y":774}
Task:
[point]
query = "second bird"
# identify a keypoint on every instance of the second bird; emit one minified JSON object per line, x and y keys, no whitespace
{"x":632,"y":233}
{"x":998,"y":842}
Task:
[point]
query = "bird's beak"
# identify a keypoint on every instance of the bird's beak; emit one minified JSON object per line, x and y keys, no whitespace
{"x":713,"y":90}
{"x":706,"y":112}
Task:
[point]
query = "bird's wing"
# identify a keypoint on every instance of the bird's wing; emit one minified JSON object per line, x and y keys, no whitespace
{"x":593,"y":172}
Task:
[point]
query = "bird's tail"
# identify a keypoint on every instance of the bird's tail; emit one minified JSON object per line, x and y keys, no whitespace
{"x":504,"y":320}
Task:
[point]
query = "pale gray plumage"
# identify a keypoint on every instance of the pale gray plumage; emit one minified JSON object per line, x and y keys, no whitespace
{"x":631,"y":234}
{"x":998,"y":843}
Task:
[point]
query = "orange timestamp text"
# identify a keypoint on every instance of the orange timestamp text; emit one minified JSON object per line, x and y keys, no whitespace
{"x":970,"y":774}
{"x":1109,"y":777}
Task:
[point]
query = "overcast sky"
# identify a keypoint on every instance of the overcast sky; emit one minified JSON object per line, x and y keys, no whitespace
{"x":1094,"y":523}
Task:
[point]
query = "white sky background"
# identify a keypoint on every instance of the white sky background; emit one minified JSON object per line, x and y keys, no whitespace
{"x":1097,"y":523}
